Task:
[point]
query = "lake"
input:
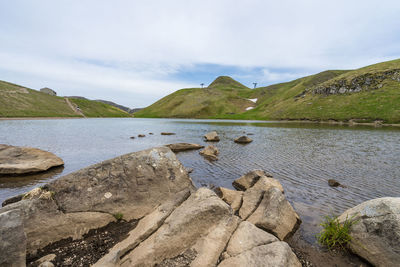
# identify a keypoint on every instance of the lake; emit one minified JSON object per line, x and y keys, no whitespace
{"x":301,"y":156}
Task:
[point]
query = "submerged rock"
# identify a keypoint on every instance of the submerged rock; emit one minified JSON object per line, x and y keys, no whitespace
{"x":178,"y":147}
{"x":16,"y":160}
{"x":333,"y":183}
{"x":243,"y":140}
{"x":210,"y":152}
{"x":375,"y":235}
{"x":211,"y":137}
{"x":141,"y":135}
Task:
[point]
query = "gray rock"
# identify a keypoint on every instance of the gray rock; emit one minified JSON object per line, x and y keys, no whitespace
{"x":275,"y":214}
{"x":231,"y":197}
{"x":48,"y":258}
{"x":203,"y":223}
{"x":133,"y":185}
{"x":178,"y":147}
{"x":252,"y":196}
{"x":21,"y":160}
{"x":210,"y":152}
{"x":243,"y":140}
{"x":248,"y":180}
{"x":211,"y":137}
{"x":376,"y":233}
{"x":46,"y":264}
{"x":276,"y":254}
{"x":12,"y":239}
{"x":246,"y":237}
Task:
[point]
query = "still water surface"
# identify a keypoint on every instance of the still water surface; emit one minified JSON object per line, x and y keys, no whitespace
{"x":302,"y":157}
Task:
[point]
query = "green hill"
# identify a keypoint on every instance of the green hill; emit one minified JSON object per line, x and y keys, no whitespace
{"x":19,"y":101}
{"x":366,"y":94}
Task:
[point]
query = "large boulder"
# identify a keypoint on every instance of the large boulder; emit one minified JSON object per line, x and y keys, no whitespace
{"x":178,"y":147}
{"x":210,"y":152}
{"x":16,"y":160}
{"x":375,"y":235}
{"x":197,"y":230}
{"x":12,"y":239}
{"x":252,"y":196}
{"x":275,"y":214}
{"x":133,"y":185}
{"x":211,"y":137}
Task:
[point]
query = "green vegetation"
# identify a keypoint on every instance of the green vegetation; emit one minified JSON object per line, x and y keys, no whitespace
{"x":334,"y":234}
{"x":19,"y":101}
{"x":97,"y":109}
{"x":294,"y":100}
{"x":118,"y":216}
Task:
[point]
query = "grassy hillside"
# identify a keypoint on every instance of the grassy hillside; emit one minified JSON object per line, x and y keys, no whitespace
{"x":376,"y":97}
{"x":223,"y":96}
{"x":19,"y":101}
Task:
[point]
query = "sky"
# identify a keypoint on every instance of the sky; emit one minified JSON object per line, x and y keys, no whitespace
{"x":136,"y":52}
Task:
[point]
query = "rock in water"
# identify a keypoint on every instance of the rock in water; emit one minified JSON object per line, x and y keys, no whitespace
{"x":141,"y":135}
{"x":375,"y":235}
{"x":210,"y":152}
{"x":178,"y":147}
{"x":167,"y":133}
{"x":12,"y":239}
{"x":333,"y":183}
{"x":16,"y":160}
{"x":211,"y":137}
{"x":133,"y":185}
{"x":243,"y":140}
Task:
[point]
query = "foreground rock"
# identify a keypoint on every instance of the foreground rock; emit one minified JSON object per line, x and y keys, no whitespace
{"x":178,"y":147}
{"x":253,"y":196}
{"x":200,"y":227}
{"x":231,"y":197}
{"x":376,"y":233}
{"x":210,"y":152}
{"x":243,"y":140}
{"x":12,"y":239}
{"x":21,"y":160}
{"x":249,"y":179}
{"x":211,"y":137}
{"x":132,"y":185}
{"x":275,"y":215}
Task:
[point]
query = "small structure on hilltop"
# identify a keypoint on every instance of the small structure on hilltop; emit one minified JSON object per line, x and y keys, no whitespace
{"x":48,"y":91}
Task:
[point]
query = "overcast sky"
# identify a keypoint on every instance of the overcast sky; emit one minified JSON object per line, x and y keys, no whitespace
{"x":135,"y":52}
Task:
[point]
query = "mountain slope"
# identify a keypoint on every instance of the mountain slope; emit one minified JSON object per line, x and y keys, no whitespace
{"x":366,"y":94}
{"x":19,"y":101}
{"x":223,"y":96}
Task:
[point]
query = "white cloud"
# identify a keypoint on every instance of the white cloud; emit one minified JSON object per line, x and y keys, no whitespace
{"x":133,"y":51}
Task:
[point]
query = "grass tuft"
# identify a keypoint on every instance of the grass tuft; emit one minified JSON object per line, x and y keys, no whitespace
{"x":335,"y":235}
{"x":118,"y":216}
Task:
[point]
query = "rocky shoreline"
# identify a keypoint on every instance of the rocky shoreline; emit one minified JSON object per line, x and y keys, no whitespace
{"x":142,"y":209}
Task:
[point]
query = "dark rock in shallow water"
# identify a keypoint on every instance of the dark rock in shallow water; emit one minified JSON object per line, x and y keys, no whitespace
{"x":132,"y":137}
{"x":167,"y":133}
{"x":178,"y":147}
{"x":141,"y":135}
{"x":16,"y":160}
{"x":333,"y":183}
{"x":243,"y":140}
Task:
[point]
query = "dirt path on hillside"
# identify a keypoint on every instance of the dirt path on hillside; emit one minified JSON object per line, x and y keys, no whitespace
{"x":74,"y":107}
